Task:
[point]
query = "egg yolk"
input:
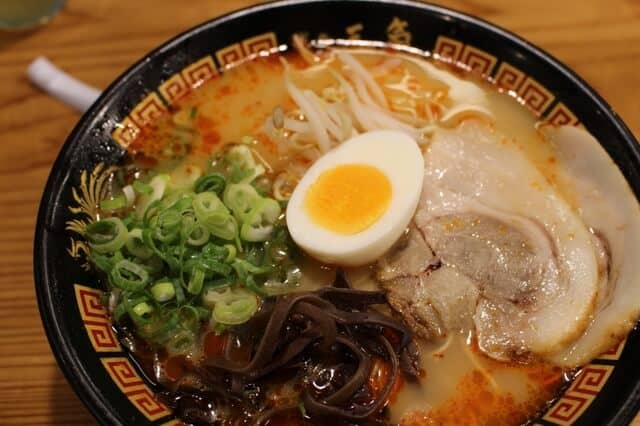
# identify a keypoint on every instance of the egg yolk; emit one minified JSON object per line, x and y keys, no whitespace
{"x":348,"y":198}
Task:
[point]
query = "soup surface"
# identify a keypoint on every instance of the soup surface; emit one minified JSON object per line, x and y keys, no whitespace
{"x":206,"y":277}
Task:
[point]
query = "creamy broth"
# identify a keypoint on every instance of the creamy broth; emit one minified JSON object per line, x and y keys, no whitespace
{"x":459,"y":385}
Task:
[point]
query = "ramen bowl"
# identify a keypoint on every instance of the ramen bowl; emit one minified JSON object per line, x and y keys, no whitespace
{"x":70,"y":295}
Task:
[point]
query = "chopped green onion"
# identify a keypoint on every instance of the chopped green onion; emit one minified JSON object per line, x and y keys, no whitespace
{"x":181,"y":342}
{"x":251,"y":284}
{"x":182,"y":204}
{"x":231,"y":252}
{"x":214,"y":182}
{"x":196,"y":281}
{"x":233,"y":306}
{"x":107,"y":235}
{"x":240,"y":175}
{"x":163,"y":291}
{"x":129,"y":195}
{"x":125,"y":306}
{"x":243,"y":166}
{"x":189,"y":317}
{"x":198,"y":235}
{"x":154,"y":265}
{"x":179,"y":293}
{"x":129,"y":276}
{"x":244,"y":268}
{"x":102,"y":261}
{"x":147,"y":237}
{"x":129,"y":220}
{"x":115,"y":203}
{"x":203,"y":313}
{"x":215,"y":267}
{"x":167,"y":227}
{"x":240,"y":198}
{"x":241,"y":156}
{"x":213,"y":214}
{"x":259,"y":222}
{"x":206,"y":203}
{"x":179,"y":199}
{"x":256,"y":171}
{"x":119,"y":312}
{"x":158,"y":185}
{"x":263,"y":186}
{"x":142,"y":188}
{"x":141,"y":309}
{"x":135,"y":245}
{"x":214,"y":251}
{"x":158,"y":330}
{"x":151,"y":213}
{"x":218,"y":283}
{"x":193,"y":248}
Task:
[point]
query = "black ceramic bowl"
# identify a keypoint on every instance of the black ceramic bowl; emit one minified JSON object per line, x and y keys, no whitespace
{"x":103,"y":375}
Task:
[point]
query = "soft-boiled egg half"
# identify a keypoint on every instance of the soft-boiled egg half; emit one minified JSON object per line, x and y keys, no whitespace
{"x":355,"y":201}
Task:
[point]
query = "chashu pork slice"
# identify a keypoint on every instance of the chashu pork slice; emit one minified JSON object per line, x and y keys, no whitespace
{"x":434,"y":300}
{"x":606,"y":204}
{"x":496,"y":224}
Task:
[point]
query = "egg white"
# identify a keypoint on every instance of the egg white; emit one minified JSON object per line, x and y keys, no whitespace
{"x":399,"y":158}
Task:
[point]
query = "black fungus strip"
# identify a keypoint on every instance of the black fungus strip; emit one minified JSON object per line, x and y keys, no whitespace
{"x":342,"y":395}
{"x":326,"y":328}
{"x":296,"y":334}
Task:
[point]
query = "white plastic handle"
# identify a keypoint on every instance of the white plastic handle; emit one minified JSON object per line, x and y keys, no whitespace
{"x":61,"y":85}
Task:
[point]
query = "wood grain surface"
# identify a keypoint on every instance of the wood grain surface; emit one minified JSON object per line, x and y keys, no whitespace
{"x":95,"y":40}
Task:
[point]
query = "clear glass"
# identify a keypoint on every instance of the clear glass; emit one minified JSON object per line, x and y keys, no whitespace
{"x":23,"y":14}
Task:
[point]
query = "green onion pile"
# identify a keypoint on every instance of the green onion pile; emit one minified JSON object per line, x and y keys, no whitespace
{"x":180,"y":260}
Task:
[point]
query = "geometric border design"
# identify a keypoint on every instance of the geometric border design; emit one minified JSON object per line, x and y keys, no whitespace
{"x":577,"y":398}
{"x":200,"y":71}
{"x":535,"y":96}
{"x":125,"y":132}
{"x":614,"y":353}
{"x":478,"y":61}
{"x":560,"y":115}
{"x":148,"y":110}
{"x":237,"y":52}
{"x":532,"y":94}
{"x":229,"y":55}
{"x":568,"y":409}
{"x":98,"y":326}
{"x":509,"y":77}
{"x":174,"y":88}
{"x":591,"y":379}
{"x":181,"y":83}
{"x":258,"y":44}
{"x":448,"y":49}
{"x":129,"y":382}
{"x":96,"y":319}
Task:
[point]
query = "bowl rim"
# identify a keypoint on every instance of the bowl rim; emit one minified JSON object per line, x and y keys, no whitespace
{"x":59,"y":341}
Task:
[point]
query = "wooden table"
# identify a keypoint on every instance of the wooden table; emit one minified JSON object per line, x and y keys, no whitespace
{"x":95,"y":40}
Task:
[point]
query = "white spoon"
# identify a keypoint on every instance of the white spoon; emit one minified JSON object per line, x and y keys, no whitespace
{"x":61,"y":85}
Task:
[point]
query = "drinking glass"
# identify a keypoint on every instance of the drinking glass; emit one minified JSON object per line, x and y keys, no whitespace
{"x":24,"y":14}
